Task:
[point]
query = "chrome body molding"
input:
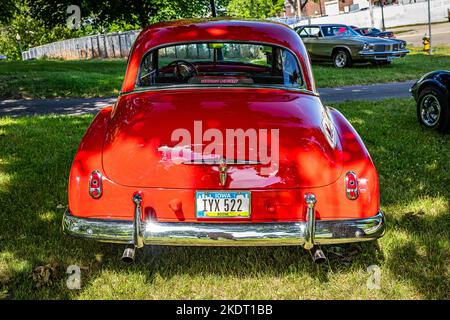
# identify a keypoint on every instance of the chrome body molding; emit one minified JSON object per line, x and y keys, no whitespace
{"x":227,"y":234}
{"x":393,"y":54}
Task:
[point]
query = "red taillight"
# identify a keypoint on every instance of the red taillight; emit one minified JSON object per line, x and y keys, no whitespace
{"x":95,"y":184}
{"x":351,"y":185}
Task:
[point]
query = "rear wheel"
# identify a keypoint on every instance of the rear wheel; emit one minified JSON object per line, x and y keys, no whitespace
{"x":433,"y":110}
{"x":342,"y":59}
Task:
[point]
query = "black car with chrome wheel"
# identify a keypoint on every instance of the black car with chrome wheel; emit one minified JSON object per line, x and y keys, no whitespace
{"x":432,"y":94}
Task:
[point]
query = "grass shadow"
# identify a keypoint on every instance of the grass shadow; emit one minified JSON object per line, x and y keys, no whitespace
{"x":35,"y":158}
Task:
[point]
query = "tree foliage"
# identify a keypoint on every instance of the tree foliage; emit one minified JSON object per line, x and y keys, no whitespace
{"x":21,"y":31}
{"x":104,"y":13}
{"x":30,"y":23}
{"x":255,"y":8}
{"x":7,"y":10}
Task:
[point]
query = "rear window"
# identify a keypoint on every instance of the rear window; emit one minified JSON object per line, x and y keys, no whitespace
{"x":220,"y":64}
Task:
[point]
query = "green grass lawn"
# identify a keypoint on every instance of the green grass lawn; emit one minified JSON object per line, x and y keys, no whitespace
{"x":103,"y":78}
{"x":56,"y":78}
{"x":414,"y":254}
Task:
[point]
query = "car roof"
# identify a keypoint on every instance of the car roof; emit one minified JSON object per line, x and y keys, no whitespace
{"x":326,"y":25}
{"x":204,"y":30}
{"x":214,"y":29}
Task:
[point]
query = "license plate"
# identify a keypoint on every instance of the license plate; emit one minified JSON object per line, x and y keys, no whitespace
{"x":222,"y":204}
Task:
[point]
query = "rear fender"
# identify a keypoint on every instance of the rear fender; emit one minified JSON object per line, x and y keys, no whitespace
{"x":357,"y":159}
{"x":87,"y":159}
{"x":432,"y":83}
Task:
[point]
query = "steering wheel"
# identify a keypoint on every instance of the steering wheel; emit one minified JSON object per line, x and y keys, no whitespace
{"x":183,"y":69}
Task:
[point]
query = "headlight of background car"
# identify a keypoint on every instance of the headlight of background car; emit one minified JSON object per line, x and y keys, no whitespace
{"x":402,"y":45}
{"x":367,"y":46}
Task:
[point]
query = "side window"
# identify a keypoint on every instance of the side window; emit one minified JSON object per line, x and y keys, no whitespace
{"x":303,"y":33}
{"x":326,"y":31}
{"x":147,"y":74}
{"x":310,"y":32}
{"x":291,"y":72}
{"x":315,"y":32}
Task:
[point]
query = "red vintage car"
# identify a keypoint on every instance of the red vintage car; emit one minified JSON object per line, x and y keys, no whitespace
{"x":220,"y":138}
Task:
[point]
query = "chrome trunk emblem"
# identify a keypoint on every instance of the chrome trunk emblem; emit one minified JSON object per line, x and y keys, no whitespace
{"x":223,"y":165}
{"x":223,"y":168}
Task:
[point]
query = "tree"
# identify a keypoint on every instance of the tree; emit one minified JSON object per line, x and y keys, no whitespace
{"x":19,"y":31}
{"x":295,"y":3}
{"x":7,"y":10}
{"x":104,"y":13}
{"x":258,"y":9}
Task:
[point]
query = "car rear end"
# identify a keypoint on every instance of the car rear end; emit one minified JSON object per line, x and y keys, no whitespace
{"x":165,"y":166}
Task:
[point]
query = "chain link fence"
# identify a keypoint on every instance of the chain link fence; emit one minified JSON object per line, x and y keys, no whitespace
{"x":112,"y":45}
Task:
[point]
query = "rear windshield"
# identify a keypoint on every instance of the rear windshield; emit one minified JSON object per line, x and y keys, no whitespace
{"x":220,"y":64}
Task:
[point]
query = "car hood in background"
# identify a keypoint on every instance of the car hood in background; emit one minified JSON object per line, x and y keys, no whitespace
{"x":364,"y":39}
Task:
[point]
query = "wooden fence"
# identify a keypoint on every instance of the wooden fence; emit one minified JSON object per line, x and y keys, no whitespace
{"x":112,"y":45}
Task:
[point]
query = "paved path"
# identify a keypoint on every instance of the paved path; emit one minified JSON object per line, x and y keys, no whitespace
{"x":79,"y":106}
{"x":72,"y":106}
{"x":367,"y":92}
{"x":414,"y":34}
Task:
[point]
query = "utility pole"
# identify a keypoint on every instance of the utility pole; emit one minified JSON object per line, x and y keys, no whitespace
{"x":382,"y":14}
{"x":299,"y":8}
{"x":429,"y":27}
{"x":213,"y":8}
{"x":372,"y":23}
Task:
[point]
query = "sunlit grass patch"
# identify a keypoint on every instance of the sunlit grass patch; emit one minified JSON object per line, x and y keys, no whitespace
{"x":57,"y":78}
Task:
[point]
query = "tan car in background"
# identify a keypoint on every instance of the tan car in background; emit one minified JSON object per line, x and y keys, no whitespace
{"x":344,"y":46}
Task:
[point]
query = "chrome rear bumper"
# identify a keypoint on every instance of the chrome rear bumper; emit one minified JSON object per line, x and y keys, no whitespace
{"x":226,"y":234}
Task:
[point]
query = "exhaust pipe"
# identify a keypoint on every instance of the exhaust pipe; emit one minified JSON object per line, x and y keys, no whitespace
{"x":129,"y":254}
{"x":317,"y":255}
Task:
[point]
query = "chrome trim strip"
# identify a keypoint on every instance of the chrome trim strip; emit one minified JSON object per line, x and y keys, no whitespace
{"x":391,"y":53}
{"x":226,"y":234}
{"x":180,"y":87}
{"x":212,"y":162}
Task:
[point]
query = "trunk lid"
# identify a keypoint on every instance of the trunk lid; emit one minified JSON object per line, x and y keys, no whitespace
{"x":139,"y":150}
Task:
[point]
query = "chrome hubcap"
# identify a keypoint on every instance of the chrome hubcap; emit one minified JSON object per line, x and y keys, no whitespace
{"x":340,"y":60}
{"x":430,"y":110}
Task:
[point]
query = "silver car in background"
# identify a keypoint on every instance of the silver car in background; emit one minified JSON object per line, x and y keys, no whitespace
{"x":344,"y":46}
